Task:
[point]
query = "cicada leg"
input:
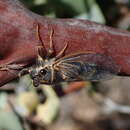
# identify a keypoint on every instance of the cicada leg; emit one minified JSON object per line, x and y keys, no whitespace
{"x":23,"y":71}
{"x":4,"y":68}
{"x":39,"y":36}
{"x":62,"y":51}
{"x":51,"y":48}
{"x":40,"y":49}
{"x":9,"y":68}
{"x":40,"y":58}
{"x":52,"y":74}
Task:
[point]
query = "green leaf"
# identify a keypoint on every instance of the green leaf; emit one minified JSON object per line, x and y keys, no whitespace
{"x":8,"y":119}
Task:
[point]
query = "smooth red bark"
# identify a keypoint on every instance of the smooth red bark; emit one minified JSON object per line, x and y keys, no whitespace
{"x":18,"y":38}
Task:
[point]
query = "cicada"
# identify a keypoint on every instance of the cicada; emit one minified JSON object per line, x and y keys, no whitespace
{"x":82,"y":66}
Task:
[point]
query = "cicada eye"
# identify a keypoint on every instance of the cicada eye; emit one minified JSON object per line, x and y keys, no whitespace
{"x":43,"y":71}
{"x":45,"y":75}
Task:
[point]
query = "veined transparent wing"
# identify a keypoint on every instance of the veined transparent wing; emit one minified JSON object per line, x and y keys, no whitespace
{"x":86,"y":66}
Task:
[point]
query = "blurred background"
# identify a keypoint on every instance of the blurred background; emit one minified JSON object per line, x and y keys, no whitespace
{"x":74,"y":106}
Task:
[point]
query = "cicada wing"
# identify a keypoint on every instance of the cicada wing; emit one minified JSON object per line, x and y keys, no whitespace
{"x":87,"y":66}
{"x":69,"y":71}
{"x":96,"y":73}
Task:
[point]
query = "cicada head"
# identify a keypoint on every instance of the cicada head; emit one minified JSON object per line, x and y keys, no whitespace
{"x":41,"y":73}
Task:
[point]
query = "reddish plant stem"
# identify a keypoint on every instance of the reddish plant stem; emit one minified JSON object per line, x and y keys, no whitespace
{"x":18,"y":38}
